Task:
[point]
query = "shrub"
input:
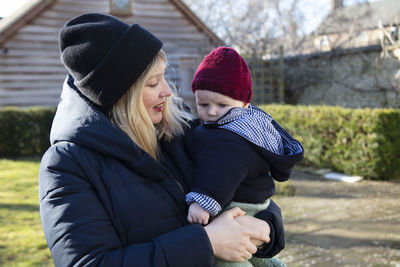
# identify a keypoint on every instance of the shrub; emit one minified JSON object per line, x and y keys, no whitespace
{"x":361,"y":142}
{"x":24,"y":131}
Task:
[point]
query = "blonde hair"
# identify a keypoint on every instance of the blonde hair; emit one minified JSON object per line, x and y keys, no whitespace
{"x":130,"y":115}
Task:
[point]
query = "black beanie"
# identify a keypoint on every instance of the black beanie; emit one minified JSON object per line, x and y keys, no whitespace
{"x":105,"y":56}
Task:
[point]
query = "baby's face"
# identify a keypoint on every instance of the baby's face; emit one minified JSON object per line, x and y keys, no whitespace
{"x":211,"y":105}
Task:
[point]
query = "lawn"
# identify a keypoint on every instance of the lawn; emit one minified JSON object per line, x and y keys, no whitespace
{"x":22,"y":241}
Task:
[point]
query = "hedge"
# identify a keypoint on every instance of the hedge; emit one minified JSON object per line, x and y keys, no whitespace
{"x":25,"y":131}
{"x":363,"y":142}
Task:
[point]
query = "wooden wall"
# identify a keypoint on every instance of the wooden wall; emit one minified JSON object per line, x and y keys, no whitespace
{"x":31,"y":73}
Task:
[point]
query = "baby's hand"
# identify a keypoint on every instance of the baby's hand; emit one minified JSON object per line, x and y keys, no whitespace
{"x":197,"y":214}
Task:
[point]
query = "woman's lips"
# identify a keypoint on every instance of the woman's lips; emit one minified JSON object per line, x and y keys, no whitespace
{"x":159,"y":107}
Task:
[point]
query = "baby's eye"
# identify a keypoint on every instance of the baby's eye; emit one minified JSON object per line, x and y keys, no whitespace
{"x":223,"y":105}
{"x":203,"y":105}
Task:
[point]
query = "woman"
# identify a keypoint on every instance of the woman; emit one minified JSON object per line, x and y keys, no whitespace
{"x":106,"y":198}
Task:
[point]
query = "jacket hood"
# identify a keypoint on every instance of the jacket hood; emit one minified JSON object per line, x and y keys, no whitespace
{"x":273,"y":143}
{"x":78,"y":121}
{"x":259,"y":128}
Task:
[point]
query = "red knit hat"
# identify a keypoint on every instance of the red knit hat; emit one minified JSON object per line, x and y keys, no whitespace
{"x":224,"y":71}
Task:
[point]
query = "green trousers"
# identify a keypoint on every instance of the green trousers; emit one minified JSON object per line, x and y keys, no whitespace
{"x":251,"y":209}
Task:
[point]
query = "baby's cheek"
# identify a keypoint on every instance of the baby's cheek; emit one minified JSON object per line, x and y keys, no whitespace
{"x":202,"y":115}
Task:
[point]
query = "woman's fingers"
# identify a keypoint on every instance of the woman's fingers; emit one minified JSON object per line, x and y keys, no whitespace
{"x":247,"y":255}
{"x":234,"y":212}
{"x":244,"y":255}
{"x":232,"y":241}
{"x":247,"y":247}
{"x":257,"y":234}
{"x":251,"y":248}
{"x":258,"y":229}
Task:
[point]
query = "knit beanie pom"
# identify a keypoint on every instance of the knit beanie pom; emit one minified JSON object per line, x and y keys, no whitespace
{"x":224,"y":71}
{"x":105,"y":56}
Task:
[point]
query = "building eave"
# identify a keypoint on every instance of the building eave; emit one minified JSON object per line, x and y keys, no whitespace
{"x":192,"y":17}
{"x":11,"y":24}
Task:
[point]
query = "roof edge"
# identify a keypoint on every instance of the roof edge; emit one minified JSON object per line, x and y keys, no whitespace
{"x":364,"y":29}
{"x":11,"y":24}
{"x":336,"y":52}
{"x":189,"y":14}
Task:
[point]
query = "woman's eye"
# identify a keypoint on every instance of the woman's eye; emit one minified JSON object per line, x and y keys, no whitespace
{"x":203,"y":105}
{"x":153,"y":84}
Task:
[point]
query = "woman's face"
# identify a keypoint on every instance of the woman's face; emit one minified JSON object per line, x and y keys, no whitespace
{"x":155,"y":92}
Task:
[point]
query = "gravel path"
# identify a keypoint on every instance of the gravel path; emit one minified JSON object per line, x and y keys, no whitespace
{"x":331,"y":223}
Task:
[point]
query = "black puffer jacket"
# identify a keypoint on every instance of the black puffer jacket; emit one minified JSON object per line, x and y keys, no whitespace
{"x":105,"y":202}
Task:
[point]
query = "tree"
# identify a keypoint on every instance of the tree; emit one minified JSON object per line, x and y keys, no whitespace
{"x":255,"y":28}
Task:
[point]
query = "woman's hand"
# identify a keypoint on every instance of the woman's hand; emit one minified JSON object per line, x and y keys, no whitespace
{"x":251,"y":222}
{"x":230,"y":240}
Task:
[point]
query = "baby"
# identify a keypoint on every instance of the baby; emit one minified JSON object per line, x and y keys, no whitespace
{"x":239,"y":149}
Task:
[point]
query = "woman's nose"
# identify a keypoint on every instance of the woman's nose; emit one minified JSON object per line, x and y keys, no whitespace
{"x":165,"y":90}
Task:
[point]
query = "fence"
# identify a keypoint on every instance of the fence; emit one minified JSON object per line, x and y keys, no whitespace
{"x":268,"y":80}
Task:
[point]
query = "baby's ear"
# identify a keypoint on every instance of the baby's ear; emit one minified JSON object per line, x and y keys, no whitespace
{"x":246,"y":105}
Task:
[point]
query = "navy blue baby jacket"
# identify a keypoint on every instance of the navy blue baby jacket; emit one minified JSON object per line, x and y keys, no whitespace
{"x":239,"y":157}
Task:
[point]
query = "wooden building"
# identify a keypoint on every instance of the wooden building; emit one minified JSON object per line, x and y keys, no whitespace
{"x":31,"y":73}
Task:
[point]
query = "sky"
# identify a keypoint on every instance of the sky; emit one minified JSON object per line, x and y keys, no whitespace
{"x":316,"y":9}
{"x":8,"y":6}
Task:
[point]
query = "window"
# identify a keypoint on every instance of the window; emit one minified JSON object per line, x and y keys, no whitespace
{"x":394,"y":33}
{"x":363,"y":38}
{"x":121,"y":7}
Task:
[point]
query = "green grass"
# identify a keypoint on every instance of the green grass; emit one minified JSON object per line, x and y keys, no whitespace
{"x":22,"y":241}
{"x":284,"y":189}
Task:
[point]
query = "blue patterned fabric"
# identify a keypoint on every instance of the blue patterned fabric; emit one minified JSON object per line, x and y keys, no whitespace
{"x":258,"y":127}
{"x":207,"y":203}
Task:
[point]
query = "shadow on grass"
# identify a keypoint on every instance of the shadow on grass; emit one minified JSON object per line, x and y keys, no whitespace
{"x":20,"y":207}
{"x":327,"y":241}
{"x":35,"y":158}
{"x":327,"y":195}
